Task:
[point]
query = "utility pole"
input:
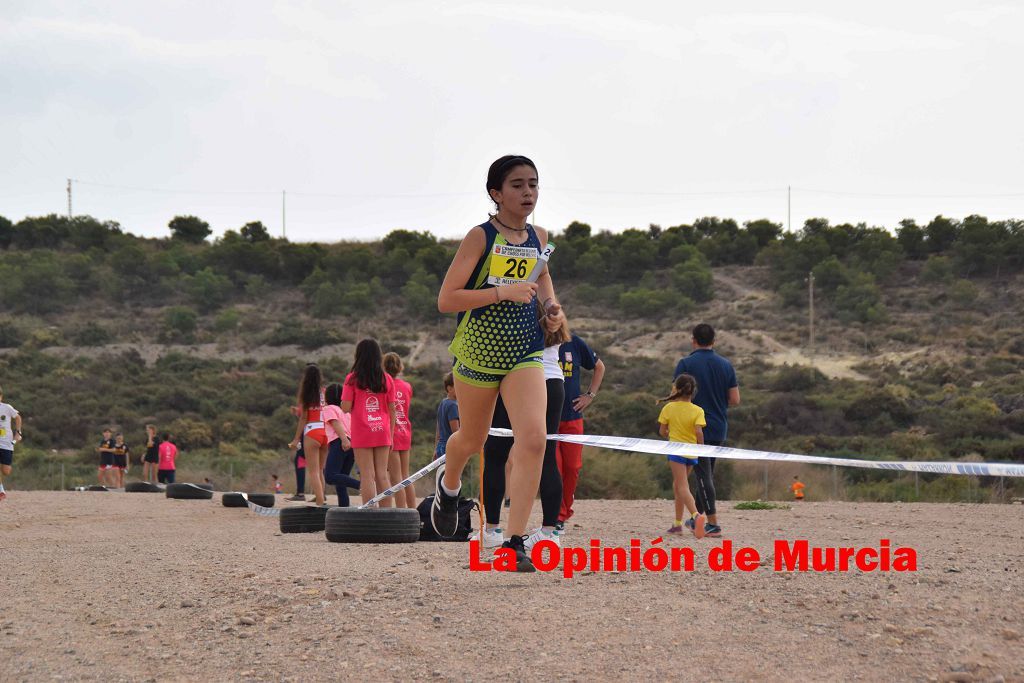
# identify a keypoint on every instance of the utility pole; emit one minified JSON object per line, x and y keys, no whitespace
{"x":810,"y":286}
{"x":789,"y":208}
{"x":69,"y":198}
{"x":283,"y":223}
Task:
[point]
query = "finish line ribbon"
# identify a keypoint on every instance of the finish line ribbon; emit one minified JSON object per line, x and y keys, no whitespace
{"x":690,"y":450}
{"x":408,"y":481}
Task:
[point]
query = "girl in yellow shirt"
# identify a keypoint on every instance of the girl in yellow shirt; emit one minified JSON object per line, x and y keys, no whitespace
{"x":682,"y":421}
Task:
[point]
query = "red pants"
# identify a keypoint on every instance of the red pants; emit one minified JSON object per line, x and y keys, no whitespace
{"x":570,"y":459}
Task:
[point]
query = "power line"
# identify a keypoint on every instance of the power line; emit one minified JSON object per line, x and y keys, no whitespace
{"x":897,"y":195}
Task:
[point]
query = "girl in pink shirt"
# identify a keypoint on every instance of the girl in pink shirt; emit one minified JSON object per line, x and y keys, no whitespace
{"x":368,"y":394}
{"x":398,"y":466}
{"x":310,"y":429}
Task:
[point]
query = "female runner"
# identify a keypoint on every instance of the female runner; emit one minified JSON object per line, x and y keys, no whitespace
{"x":498,"y":345}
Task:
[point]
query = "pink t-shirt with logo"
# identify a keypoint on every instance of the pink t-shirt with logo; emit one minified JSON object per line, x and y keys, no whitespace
{"x":371,"y":423}
{"x":334,"y":413}
{"x":403,"y":428}
{"x":168,"y":452}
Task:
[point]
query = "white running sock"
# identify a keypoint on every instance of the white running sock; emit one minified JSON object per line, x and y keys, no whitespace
{"x":449,"y":492}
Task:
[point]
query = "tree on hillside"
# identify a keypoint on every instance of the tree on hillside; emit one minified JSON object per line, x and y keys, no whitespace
{"x":255,"y":232}
{"x":911,"y":238}
{"x":6,"y":232}
{"x":189,"y":229}
{"x":941,"y":233}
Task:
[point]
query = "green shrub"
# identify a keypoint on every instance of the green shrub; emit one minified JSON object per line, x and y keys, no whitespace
{"x":92,"y":334}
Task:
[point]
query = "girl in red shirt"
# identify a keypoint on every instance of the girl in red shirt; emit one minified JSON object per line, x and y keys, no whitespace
{"x":311,"y":430}
{"x":368,"y":393}
{"x":398,"y":466}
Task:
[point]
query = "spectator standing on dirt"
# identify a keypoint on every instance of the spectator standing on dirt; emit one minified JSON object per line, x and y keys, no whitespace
{"x":152,"y":456}
{"x":368,"y":394}
{"x":398,"y":465}
{"x":340,"y":456}
{"x":168,"y":453}
{"x":299,"y":460}
{"x":121,"y":455}
{"x":717,"y":390}
{"x":105,"y":475}
{"x":10,"y":434}
{"x":798,"y":488}
{"x":574,"y":356}
{"x":309,"y":428}
{"x":447,"y":417}
{"x":497,"y":448}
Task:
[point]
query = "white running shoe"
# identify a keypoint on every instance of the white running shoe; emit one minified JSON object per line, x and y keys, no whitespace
{"x":493,"y":538}
{"x":541,"y":535}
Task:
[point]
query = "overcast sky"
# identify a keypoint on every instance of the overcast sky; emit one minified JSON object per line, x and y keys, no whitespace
{"x":382,"y":115}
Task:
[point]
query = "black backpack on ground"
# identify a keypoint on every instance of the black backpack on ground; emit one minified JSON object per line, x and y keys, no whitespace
{"x":462,"y":532}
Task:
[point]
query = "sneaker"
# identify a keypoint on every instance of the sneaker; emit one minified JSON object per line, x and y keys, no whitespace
{"x":3,"y":494}
{"x":541,"y":535}
{"x":444,"y":513}
{"x":674,"y":529}
{"x":493,"y":538}
{"x":689,"y":524}
{"x":712,"y":530}
{"x":523,"y":563}
{"x":560,"y":526}
{"x":698,"y":525}
{"x":297,"y":497}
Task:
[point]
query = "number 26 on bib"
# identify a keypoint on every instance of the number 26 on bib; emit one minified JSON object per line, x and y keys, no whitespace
{"x":511,"y":264}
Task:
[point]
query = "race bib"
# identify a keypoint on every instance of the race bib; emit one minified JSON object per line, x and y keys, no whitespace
{"x":511,"y":264}
{"x":3,"y":432}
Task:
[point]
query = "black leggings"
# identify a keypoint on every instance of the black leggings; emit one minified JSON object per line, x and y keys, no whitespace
{"x":337,"y":471}
{"x":497,"y":448}
{"x":704,"y":478}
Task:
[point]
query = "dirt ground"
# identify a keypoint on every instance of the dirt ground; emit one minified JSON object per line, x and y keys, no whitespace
{"x":119,"y":586}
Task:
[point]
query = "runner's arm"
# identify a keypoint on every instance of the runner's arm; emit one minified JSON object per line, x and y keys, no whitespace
{"x":17,"y":428}
{"x":663,"y":429}
{"x":700,"y":434}
{"x":734,"y":396}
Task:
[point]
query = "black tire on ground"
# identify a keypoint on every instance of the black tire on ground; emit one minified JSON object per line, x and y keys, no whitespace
{"x":97,"y":487}
{"x":141,"y":487}
{"x":303,"y":520}
{"x":373,"y":525}
{"x":189,"y":492}
{"x":262,"y":499}
{"x":235,"y":500}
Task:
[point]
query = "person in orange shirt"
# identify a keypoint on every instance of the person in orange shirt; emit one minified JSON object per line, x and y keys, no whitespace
{"x":798,"y":488}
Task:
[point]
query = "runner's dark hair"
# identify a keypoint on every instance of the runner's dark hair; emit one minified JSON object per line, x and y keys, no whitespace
{"x":368,"y":370}
{"x":309,"y":387}
{"x":684,"y":386}
{"x":500,"y":169}
{"x":332,"y":394}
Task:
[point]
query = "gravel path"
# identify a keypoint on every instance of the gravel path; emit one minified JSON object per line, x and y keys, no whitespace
{"x":118,"y":586}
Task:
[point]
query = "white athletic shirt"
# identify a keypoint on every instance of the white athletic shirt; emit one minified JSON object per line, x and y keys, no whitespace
{"x":552,"y":370}
{"x":7,"y":415}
